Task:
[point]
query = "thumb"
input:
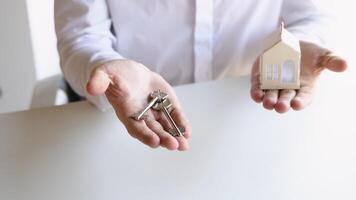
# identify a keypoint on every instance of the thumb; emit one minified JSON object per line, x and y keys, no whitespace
{"x":98,"y":83}
{"x":333,"y":62}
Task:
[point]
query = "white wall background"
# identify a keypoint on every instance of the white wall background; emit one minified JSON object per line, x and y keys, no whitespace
{"x":27,"y":52}
{"x":28,"y":48}
{"x":343,"y":43}
{"x":17,"y":68}
{"x":344,"y":30}
{"x":43,"y":36}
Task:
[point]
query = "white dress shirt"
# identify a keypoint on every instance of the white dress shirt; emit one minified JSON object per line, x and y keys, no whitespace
{"x":185,"y":41}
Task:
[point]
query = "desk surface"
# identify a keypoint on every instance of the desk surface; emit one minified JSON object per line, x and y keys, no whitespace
{"x":238,"y":151}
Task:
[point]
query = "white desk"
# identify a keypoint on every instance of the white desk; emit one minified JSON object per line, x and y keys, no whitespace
{"x":238,"y":151}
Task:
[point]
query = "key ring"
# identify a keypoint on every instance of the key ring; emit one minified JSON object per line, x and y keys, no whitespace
{"x":160,"y":102}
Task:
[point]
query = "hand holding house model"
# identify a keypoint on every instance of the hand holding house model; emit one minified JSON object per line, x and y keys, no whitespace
{"x":280,"y":63}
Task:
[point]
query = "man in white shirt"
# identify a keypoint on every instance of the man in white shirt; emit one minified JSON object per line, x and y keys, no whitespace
{"x":116,"y":52}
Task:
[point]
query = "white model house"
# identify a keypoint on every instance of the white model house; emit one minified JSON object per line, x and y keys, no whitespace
{"x":280,"y":63}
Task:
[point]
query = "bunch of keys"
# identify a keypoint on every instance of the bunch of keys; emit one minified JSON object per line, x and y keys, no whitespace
{"x":160,"y":102}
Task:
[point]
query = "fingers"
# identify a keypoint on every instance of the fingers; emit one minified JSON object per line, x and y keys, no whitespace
{"x":140,"y":131}
{"x":333,"y":62}
{"x":166,"y":140}
{"x":288,"y":99}
{"x":181,"y":121}
{"x":303,"y":98}
{"x":256,"y":93}
{"x":270,"y":99}
{"x":284,"y":101}
{"x":151,"y":131}
{"x":182,"y":141}
{"x":179,"y":117}
{"x":98,"y":83}
{"x":183,"y":144}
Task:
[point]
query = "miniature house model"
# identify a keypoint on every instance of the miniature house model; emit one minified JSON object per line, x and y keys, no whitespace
{"x":280,"y":63}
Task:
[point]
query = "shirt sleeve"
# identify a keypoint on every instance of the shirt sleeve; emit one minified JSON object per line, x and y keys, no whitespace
{"x":85,"y":41}
{"x":307,"y":20}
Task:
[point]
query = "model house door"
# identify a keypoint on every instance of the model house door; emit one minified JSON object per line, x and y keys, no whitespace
{"x":288,"y":71}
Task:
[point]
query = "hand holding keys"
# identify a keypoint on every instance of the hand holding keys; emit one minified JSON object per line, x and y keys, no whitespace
{"x":160,"y":102}
{"x":152,"y":126}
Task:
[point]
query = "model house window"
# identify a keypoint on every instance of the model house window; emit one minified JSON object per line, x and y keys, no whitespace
{"x":272,"y":72}
{"x":288,"y":71}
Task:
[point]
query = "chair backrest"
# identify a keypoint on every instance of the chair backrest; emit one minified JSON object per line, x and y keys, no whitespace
{"x":49,"y":92}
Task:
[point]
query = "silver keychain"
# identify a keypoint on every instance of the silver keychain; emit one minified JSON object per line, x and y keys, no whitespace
{"x":160,"y":102}
{"x":156,"y":97}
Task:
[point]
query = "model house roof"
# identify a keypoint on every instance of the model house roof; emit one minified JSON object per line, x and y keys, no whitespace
{"x":281,"y":35}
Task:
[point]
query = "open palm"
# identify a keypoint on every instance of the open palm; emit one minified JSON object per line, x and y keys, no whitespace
{"x":127,"y":86}
{"x":313,"y":61}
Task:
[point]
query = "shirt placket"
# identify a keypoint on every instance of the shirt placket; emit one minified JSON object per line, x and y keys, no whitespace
{"x":203,"y":40}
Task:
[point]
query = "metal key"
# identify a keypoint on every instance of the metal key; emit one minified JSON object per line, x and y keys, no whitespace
{"x":176,"y":132}
{"x":159,"y":105}
{"x":157,"y":97}
{"x":163,"y":106}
